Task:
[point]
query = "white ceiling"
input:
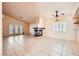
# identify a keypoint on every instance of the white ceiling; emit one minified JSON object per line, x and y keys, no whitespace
{"x":31,"y":10}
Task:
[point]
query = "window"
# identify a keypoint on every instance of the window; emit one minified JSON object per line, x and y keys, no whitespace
{"x":64,"y":26}
{"x":59,"y":27}
{"x":16,"y":29}
{"x":20,"y":29}
{"x":11,"y":29}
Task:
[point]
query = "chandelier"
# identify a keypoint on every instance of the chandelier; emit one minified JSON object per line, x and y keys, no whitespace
{"x":57,"y":16}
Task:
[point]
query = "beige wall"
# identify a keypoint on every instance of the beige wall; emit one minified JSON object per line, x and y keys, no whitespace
{"x":48,"y":31}
{"x":68,"y":35}
{"x":76,"y":30}
{"x":7,"y":20}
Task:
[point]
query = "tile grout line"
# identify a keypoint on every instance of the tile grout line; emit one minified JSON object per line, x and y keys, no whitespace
{"x":12,"y":49}
{"x":62,"y":48}
{"x":24,"y":48}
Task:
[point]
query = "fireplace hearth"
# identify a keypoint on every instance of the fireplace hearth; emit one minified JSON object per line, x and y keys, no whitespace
{"x":38,"y":31}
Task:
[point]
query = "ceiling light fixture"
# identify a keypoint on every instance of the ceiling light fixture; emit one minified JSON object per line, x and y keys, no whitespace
{"x":57,"y":16}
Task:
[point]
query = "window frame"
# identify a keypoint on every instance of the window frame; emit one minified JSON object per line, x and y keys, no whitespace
{"x":60,"y":26}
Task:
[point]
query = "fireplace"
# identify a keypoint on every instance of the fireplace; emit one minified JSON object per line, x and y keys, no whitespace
{"x":38,"y":31}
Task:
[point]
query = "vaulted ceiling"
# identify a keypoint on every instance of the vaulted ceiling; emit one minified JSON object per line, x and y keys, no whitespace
{"x":30,"y":11}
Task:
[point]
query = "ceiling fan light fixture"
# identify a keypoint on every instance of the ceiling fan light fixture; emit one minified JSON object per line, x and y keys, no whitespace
{"x":56,"y":16}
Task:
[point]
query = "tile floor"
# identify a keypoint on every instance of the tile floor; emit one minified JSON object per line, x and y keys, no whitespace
{"x":24,"y":45}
